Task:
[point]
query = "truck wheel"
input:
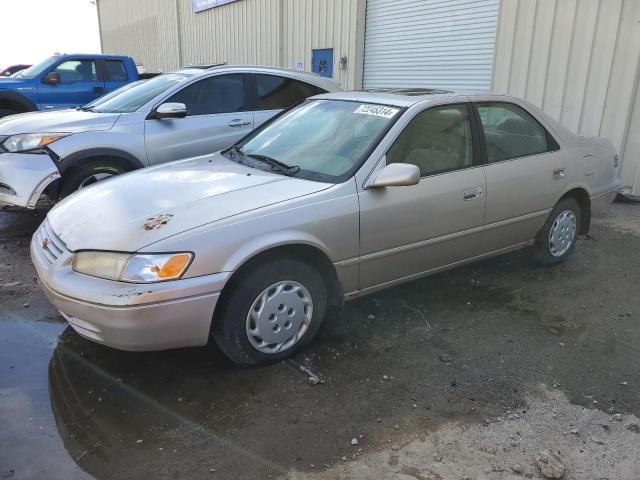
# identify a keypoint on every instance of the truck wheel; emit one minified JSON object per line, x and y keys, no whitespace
{"x":270,"y":312}
{"x":558,"y":236}
{"x":88,"y":174}
{"x":5,"y":112}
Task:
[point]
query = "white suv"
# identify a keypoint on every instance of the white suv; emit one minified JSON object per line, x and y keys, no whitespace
{"x":193,"y":111}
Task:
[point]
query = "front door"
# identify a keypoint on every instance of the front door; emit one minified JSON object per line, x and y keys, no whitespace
{"x":526,"y":174}
{"x":79,"y":85}
{"x":406,"y":231}
{"x":216,"y":119}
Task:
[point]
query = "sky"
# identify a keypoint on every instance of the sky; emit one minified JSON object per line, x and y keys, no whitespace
{"x":35,"y":29}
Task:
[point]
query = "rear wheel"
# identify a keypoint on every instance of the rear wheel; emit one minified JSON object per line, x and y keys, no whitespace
{"x":558,"y":236}
{"x":88,"y":174}
{"x":270,"y":312}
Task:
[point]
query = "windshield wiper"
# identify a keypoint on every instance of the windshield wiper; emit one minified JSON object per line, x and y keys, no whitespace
{"x":235,"y":152}
{"x":276,"y":165}
{"x":85,"y":109}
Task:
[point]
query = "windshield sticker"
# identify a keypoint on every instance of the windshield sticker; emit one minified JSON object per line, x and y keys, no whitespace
{"x":377,"y":110}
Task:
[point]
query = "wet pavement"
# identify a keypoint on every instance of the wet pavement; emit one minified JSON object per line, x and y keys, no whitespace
{"x":462,"y":346}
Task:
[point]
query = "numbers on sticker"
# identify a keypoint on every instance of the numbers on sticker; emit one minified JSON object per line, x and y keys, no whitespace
{"x":377,"y":110}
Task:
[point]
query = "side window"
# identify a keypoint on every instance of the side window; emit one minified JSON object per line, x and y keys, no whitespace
{"x":221,"y":94}
{"x":116,"y":70}
{"x":511,"y":132}
{"x":280,"y":92}
{"x":436,"y":140}
{"x":189,"y":96}
{"x":77,"y":71}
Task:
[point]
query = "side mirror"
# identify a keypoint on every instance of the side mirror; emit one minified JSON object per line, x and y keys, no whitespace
{"x":52,"y":78}
{"x":171,"y":110}
{"x":396,"y":175}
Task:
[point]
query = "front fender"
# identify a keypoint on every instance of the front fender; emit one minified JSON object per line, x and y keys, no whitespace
{"x":74,"y":149}
{"x":326,"y":221}
{"x":263,"y":243}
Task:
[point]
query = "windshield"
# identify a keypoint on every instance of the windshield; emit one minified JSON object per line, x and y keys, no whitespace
{"x":321,"y":139}
{"x":131,"y":99}
{"x":37,"y":69}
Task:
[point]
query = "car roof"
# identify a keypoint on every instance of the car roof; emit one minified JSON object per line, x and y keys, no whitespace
{"x":89,"y":55}
{"x":204,"y":70}
{"x":403,"y":97}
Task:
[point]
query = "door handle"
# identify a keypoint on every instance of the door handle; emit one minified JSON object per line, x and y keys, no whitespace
{"x":472,"y":193}
{"x":238,"y":122}
{"x":98,"y":90}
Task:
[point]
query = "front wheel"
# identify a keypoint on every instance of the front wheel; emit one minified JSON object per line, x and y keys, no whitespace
{"x":558,"y":236}
{"x":88,"y":174}
{"x":270,"y":311}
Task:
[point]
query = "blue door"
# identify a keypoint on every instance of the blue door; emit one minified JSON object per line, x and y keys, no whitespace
{"x":322,"y":62}
{"x":79,"y":85}
{"x":115,"y":74}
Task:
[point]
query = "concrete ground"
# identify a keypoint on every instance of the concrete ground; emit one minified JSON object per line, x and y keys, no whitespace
{"x":469,"y":374}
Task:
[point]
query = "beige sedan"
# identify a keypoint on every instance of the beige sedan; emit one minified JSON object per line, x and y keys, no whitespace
{"x":340,"y":196}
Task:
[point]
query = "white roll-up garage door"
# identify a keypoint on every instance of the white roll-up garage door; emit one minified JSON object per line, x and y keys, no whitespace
{"x":429,"y":43}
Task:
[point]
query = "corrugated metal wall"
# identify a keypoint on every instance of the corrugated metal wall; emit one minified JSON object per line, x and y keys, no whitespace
{"x":429,"y":43}
{"x":165,"y":34}
{"x":337,"y":24}
{"x":240,"y":32}
{"x":579,"y":60}
{"x":143,"y":29}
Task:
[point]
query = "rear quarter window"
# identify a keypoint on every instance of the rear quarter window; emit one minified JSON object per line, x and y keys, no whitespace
{"x":274,"y":92}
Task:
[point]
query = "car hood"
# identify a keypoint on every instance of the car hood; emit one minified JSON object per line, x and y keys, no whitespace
{"x":71,"y":121}
{"x":8,"y":82}
{"x":132,"y":211}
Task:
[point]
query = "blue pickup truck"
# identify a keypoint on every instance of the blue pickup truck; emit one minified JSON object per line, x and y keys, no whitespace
{"x":64,"y":81}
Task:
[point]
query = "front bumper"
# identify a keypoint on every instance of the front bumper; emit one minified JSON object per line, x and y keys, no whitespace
{"x":140,"y":317}
{"x":24,"y":176}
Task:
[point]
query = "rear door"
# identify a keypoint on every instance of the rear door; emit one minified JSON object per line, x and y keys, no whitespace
{"x":115,"y":74}
{"x":80,"y":83}
{"x":526,"y":173}
{"x":216,"y":118}
{"x":274,"y":93}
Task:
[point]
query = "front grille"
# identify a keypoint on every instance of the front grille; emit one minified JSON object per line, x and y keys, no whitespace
{"x":48,"y":244}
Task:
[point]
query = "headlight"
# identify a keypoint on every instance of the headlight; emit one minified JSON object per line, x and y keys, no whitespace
{"x":134,"y":268}
{"x":27,"y":142}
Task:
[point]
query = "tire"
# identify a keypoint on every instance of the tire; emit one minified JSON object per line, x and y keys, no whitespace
{"x":231,"y":326}
{"x":566,"y":215}
{"x":87,"y":174}
{"x":5,"y":112}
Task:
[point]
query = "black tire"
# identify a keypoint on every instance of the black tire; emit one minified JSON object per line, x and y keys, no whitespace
{"x":78,"y":177}
{"x":228,"y":328}
{"x":5,"y":112}
{"x":542,"y":250}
